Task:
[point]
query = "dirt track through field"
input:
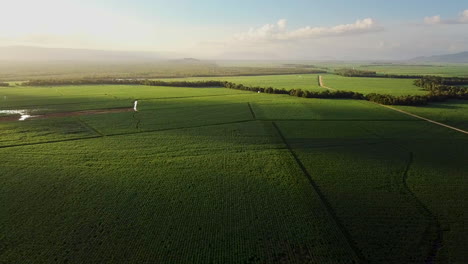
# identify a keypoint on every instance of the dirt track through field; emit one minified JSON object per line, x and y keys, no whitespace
{"x":406,"y":113}
{"x":67,"y":114}
{"x":425,"y":119}
{"x":323,"y":86}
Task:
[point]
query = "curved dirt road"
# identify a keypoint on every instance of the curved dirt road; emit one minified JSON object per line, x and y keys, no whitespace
{"x":323,"y":86}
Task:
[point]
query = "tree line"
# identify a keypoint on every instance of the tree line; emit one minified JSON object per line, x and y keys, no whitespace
{"x":443,"y":88}
{"x":327,"y":94}
{"x":437,"y":91}
{"x":4,"y":84}
{"x":387,"y":99}
{"x":54,"y":82}
{"x":429,"y":82}
{"x":372,"y":74}
{"x":199,"y":84}
{"x":355,"y":73}
{"x":296,"y":92}
{"x":414,"y":100}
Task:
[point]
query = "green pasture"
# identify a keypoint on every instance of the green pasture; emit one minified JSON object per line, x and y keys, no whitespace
{"x":454,"y":112}
{"x":292,"y":81}
{"x":385,"y":176}
{"x":213,"y":175}
{"x":373,"y":85}
{"x":309,"y":82}
{"x":448,"y":70}
{"x":403,"y":68}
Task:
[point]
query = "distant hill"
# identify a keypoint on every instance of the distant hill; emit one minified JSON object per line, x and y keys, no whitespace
{"x":24,"y":53}
{"x":191,"y":60}
{"x":461,"y":57}
{"x":187,"y":61}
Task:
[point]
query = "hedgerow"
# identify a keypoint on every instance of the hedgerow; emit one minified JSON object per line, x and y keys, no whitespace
{"x":438,"y":90}
{"x":54,"y":82}
{"x":441,"y":88}
{"x":397,"y":100}
{"x":372,"y":74}
{"x":297,"y":92}
{"x":429,"y":82}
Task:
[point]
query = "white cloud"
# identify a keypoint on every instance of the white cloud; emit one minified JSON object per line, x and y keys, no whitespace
{"x":432,"y":20}
{"x":282,"y":24}
{"x":397,"y":41}
{"x":279,"y":31}
{"x":437,"y":20}
{"x":464,"y":17}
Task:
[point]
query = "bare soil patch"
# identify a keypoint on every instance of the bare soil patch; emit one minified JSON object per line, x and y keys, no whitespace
{"x":16,"y":117}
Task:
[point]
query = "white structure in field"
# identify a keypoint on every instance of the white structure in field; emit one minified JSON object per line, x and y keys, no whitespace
{"x":135,"y":104}
{"x":24,"y":117}
{"x":23,"y":113}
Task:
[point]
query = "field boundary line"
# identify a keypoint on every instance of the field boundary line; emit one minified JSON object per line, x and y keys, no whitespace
{"x":49,"y":142}
{"x":405,"y":112}
{"x":138,"y":120}
{"x":326,"y":203}
{"x":340,"y":120}
{"x":425,"y":119}
{"x":184,"y":107}
{"x":123,"y":134}
{"x":195,"y":96}
{"x":424,"y":210}
{"x":323,"y":85}
{"x":120,"y":99}
{"x":88,"y":126}
{"x":59,"y":92}
{"x":437,"y":242}
{"x":178,"y":128}
{"x":252,"y":111}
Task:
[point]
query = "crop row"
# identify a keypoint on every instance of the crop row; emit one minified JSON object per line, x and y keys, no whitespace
{"x":441,"y":93}
{"x":229,"y":194}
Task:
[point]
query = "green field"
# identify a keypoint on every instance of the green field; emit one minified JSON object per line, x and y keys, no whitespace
{"x":454,"y":112}
{"x":291,"y":81}
{"x":20,"y":71}
{"x":309,"y":82}
{"x":449,"y":69}
{"x":373,"y":85}
{"x":213,"y":175}
{"x":429,"y":69}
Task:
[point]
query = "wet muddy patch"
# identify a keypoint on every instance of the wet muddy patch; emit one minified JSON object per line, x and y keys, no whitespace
{"x":23,"y":114}
{"x":12,"y":115}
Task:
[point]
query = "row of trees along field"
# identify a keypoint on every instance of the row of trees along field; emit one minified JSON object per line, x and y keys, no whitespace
{"x":428,"y":82}
{"x":439,"y":88}
{"x":297,"y":92}
{"x":372,"y":74}
{"x":3,"y":84}
{"x":397,"y":100}
{"x":442,"y":93}
{"x":377,"y":98}
{"x":437,"y":91}
{"x":54,"y":82}
{"x":442,"y":87}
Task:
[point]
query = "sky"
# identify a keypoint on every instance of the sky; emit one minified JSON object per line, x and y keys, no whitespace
{"x":242,"y":29}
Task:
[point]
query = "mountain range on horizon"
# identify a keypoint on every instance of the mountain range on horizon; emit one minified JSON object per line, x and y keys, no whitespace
{"x":41,"y":54}
{"x":461,"y":57}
